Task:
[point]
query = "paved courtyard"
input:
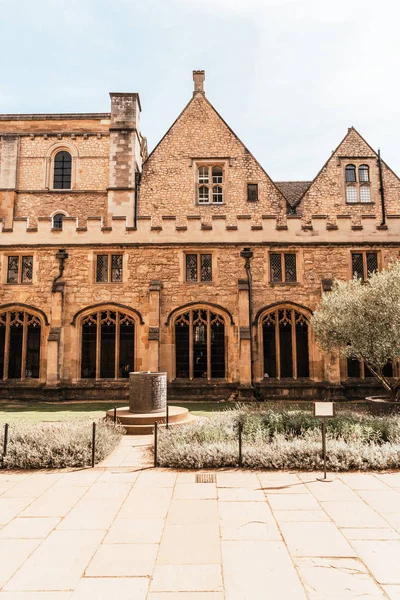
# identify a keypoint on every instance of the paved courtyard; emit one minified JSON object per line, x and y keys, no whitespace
{"x":126,"y":531}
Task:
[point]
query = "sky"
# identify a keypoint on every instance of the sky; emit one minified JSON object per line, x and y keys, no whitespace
{"x":288,"y":76}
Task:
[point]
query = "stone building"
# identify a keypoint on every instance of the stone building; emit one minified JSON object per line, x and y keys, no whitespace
{"x":190,"y":260}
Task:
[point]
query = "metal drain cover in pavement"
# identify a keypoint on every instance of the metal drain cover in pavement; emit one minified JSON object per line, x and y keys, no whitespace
{"x":205,"y":477}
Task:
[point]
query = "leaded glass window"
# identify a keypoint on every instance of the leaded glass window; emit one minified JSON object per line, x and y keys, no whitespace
{"x":109,"y":268}
{"x":58,"y":221}
{"x":107,"y":346}
{"x":20,"y":342}
{"x":200,"y":345}
{"x":19,"y":269}
{"x":350,"y":173}
{"x":351,"y":194}
{"x":364,"y":264}
{"x":198,"y":267}
{"x":286,"y":345}
{"x":252,"y":192}
{"x":363,"y":173}
{"x":283,"y":268}
{"x":365,"y":193}
{"x":62,"y":171}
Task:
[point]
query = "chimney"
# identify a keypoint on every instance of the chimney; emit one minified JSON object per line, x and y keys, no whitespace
{"x":198,"y":78}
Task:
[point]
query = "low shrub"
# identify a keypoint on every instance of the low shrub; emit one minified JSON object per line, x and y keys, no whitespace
{"x":57,"y":445}
{"x":283,"y":440}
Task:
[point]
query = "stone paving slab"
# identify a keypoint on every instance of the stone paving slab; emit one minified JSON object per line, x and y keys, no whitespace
{"x":131,"y":531}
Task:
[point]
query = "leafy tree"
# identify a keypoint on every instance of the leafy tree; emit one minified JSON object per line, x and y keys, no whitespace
{"x":362,"y":320}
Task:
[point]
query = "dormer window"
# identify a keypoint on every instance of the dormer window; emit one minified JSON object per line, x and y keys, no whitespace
{"x":210,"y":184}
{"x":358,"y":189}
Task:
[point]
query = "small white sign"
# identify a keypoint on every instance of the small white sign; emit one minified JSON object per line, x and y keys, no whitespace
{"x":323,"y":409}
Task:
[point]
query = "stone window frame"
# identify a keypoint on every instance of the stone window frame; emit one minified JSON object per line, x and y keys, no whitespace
{"x":109,"y":253}
{"x":199,"y":251}
{"x":36,"y":314}
{"x":274,"y":308}
{"x":364,"y":252}
{"x":299,"y":266}
{"x":54,"y":214}
{"x":371,"y":184}
{"x":210,"y":163}
{"x":249,"y":183}
{"x":98,"y":309}
{"x":190,"y":309}
{"x":49,"y":166}
{"x":20,"y":254}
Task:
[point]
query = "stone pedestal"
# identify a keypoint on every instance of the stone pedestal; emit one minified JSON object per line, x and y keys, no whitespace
{"x":148,"y":405}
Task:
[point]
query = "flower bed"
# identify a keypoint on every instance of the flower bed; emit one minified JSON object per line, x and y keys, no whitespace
{"x":283,"y":440}
{"x":57,"y":445}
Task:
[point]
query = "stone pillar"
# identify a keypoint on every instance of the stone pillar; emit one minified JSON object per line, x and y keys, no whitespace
{"x":125,"y":155}
{"x":8,"y":178}
{"x":154,"y":325}
{"x":332,"y":367}
{"x":54,"y":342}
{"x":244,"y":333}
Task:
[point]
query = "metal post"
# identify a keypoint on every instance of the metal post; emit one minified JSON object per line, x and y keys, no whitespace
{"x":240,"y":444}
{"x":324,"y":443}
{"x":155,"y":442}
{"x":115,"y":415}
{"x":167,"y":417}
{"x":93,"y":443}
{"x":5,"y":439}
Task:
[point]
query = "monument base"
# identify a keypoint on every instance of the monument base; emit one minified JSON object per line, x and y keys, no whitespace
{"x":141,"y":424}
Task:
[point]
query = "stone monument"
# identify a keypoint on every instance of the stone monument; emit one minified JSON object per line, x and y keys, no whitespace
{"x":148,"y":404}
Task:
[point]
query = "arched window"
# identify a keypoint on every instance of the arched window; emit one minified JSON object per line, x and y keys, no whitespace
{"x":217,"y":175}
{"x":58,"y":221}
{"x":285,"y":341}
{"x":200,"y":344}
{"x":108,"y":342}
{"x":363,"y":173}
{"x":20,"y":334}
{"x":203,"y":194}
{"x":62,"y":170}
{"x":350,"y":173}
{"x":218,"y":196}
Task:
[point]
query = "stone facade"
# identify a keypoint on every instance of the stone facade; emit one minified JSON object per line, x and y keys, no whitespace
{"x":146,"y":210}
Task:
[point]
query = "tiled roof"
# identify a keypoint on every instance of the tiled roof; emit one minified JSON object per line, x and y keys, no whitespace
{"x":292,"y":190}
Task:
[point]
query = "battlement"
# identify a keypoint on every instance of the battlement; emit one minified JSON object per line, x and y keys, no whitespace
{"x":194,"y":229}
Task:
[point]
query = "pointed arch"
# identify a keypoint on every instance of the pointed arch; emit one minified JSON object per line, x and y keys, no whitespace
{"x":21,"y":341}
{"x":217,"y":307}
{"x":285,"y":340}
{"x":199,"y":339}
{"x":106,"y":306}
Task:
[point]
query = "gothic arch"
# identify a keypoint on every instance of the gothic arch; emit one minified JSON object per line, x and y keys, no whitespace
{"x":199,"y":334}
{"x":285,"y":341}
{"x":107,"y":306}
{"x":224,"y":312}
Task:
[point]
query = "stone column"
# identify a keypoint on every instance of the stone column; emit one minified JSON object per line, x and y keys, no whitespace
{"x":8,"y":178}
{"x":154,"y":326}
{"x":244,"y":333}
{"x":125,"y":155}
{"x":54,"y":341}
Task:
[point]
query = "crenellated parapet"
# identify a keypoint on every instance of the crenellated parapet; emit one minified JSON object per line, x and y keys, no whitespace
{"x":192,"y":229}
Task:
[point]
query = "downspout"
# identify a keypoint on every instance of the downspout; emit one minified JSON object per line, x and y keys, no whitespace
{"x":61,"y":256}
{"x":138,"y":177}
{"x":381,"y":189}
{"x":247,"y":254}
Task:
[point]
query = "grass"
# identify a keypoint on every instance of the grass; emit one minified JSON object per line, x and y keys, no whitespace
{"x":283,"y":439}
{"x":38,"y":412}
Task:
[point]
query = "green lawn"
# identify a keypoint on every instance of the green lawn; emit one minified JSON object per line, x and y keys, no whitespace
{"x":36,"y":412}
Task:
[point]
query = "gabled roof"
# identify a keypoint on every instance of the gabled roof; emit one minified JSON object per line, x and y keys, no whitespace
{"x":195,"y":94}
{"x":293,"y":190}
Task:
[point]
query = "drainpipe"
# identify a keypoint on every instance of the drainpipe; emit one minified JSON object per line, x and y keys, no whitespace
{"x":381,"y":189}
{"x":138,"y":177}
{"x":247,"y":254}
{"x":61,"y":255}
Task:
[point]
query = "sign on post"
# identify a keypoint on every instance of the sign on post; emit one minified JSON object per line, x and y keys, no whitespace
{"x":324,"y":410}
